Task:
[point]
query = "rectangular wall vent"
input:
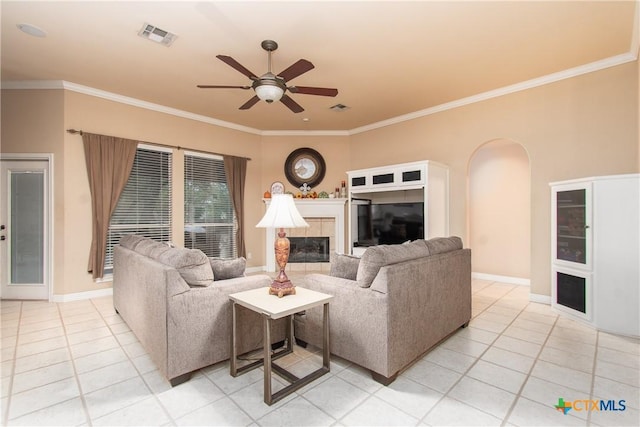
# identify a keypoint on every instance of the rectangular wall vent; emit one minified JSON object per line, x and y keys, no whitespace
{"x":157,"y":35}
{"x":339,"y":107}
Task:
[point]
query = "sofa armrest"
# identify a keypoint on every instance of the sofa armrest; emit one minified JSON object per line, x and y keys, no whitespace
{"x":429,"y":298}
{"x":199,"y":324}
{"x":240,"y":284}
{"x":358,"y":321}
{"x":381,"y":281}
{"x":329,"y":284}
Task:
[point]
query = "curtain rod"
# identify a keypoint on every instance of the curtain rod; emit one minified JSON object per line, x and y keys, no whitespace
{"x":75,"y":131}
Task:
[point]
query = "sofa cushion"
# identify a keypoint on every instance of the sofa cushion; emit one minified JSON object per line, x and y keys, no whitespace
{"x":158,"y":250}
{"x":147,"y":246}
{"x":130,"y":241}
{"x":439,"y":245}
{"x":344,"y":266}
{"x":376,"y":257}
{"x":192,"y":264}
{"x":228,"y":268}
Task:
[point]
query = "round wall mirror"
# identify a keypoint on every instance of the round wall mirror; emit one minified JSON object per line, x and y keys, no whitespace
{"x":304,"y":165}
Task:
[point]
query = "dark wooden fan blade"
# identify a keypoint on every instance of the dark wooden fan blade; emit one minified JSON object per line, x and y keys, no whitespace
{"x":237,"y":66}
{"x":250,"y":103}
{"x":300,"y":67}
{"x":223,"y":87}
{"x":291,"y":104}
{"x":322,"y":91}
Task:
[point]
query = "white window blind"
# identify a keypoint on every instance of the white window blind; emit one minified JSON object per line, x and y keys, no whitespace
{"x":209,"y":218}
{"x":144,"y":206}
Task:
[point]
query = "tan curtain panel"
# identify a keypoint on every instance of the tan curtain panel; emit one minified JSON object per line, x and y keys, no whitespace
{"x":235,"y":169}
{"x":109,"y":162}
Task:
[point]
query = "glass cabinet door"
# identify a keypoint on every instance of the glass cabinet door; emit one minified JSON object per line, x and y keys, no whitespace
{"x":571,"y":226}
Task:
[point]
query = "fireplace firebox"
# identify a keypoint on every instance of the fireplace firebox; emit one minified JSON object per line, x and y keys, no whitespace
{"x":308,"y":249}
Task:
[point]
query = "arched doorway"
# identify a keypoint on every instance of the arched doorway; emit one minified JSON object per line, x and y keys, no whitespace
{"x":499,"y":211}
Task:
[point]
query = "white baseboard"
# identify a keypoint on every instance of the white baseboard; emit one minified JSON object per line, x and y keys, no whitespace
{"x":502,"y":279}
{"x":258,"y":269}
{"x":83,"y":295}
{"x":542,"y":299}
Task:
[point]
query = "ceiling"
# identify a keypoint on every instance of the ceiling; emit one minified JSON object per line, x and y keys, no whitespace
{"x":386,"y":58}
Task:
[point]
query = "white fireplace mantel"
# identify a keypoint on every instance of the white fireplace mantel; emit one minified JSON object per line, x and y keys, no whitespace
{"x":312,"y":208}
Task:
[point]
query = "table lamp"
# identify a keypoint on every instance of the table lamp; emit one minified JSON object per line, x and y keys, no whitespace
{"x":282,"y":213}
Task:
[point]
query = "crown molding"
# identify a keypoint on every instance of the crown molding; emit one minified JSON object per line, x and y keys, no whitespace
{"x":529,"y":84}
{"x":33,"y":84}
{"x":86,"y":90}
{"x":306,"y":133}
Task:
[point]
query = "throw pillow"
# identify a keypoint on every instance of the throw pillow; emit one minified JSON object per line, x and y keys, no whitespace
{"x":228,"y":268}
{"x":372,"y":260}
{"x":192,"y":264}
{"x":344,"y":266}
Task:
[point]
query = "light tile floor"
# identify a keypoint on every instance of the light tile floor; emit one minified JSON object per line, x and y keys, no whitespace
{"x":77,"y":363}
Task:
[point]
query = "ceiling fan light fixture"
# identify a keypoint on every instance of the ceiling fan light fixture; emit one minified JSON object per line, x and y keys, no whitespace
{"x":269,"y":92}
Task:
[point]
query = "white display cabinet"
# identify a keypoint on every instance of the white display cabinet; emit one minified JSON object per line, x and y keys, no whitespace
{"x":595,"y":251}
{"x":412,"y":198}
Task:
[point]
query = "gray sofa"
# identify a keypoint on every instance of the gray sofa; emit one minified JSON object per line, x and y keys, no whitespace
{"x":392,"y":305}
{"x":178,"y":312}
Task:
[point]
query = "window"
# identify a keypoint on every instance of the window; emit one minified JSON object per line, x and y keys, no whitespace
{"x":144,"y":206}
{"x":209,"y":218}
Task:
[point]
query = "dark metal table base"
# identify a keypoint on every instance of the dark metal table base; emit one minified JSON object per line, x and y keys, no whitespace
{"x":268,"y":358}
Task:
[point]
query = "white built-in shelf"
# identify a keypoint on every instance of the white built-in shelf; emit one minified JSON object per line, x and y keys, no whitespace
{"x":595,"y":247}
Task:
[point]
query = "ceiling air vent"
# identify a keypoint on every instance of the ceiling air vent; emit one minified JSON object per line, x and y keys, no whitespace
{"x":339,"y":107}
{"x":157,"y":35}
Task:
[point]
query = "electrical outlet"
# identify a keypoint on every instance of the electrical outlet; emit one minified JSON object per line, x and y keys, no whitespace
{"x":249,"y":255}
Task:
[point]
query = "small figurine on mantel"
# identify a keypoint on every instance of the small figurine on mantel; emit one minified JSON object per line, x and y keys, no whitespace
{"x":305,"y":189}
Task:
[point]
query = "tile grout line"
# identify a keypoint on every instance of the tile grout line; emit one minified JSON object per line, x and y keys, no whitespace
{"x":327,"y":379}
{"x":446,"y":394}
{"x":593,"y":374}
{"x":70,"y":360}
{"x":528,"y":374}
{"x":517,"y":395}
{"x":73,"y":365}
{"x":140,"y":375}
{"x":5,"y":416}
{"x":333,"y":375}
{"x":557,"y":325}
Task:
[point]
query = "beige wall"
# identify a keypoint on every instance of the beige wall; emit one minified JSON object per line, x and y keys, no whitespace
{"x":334,"y":150}
{"x":499,"y":208}
{"x":32,"y":122}
{"x":584,"y":126}
{"x":35,"y":121}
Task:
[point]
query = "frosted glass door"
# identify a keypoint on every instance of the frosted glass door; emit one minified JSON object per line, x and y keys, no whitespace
{"x":27,"y":227}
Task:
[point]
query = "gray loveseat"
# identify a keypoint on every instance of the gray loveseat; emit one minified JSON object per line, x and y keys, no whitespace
{"x":392,"y":305}
{"x":178,"y":312}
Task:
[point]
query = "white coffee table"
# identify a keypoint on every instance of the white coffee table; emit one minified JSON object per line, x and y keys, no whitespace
{"x":271,"y":308}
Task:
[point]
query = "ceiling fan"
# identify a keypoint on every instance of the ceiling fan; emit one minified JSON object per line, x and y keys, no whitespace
{"x":271,"y":87}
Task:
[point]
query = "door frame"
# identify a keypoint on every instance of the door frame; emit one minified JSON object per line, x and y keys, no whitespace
{"x":48,"y":157}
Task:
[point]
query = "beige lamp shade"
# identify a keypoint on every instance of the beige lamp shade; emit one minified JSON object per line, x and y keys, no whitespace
{"x":282,"y":213}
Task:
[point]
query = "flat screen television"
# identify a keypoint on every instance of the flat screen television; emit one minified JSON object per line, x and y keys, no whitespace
{"x":390,"y":223}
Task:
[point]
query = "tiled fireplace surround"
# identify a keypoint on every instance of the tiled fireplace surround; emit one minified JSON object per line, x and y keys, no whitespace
{"x":326,"y":218}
